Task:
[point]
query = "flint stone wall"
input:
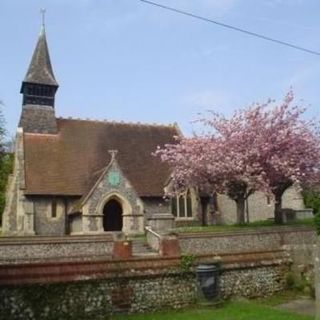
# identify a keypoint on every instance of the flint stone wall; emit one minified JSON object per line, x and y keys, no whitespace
{"x":261,"y":239}
{"x":30,"y":249}
{"x":44,"y":222}
{"x":154,"y":205}
{"x":150,"y":292}
{"x":253,"y":282}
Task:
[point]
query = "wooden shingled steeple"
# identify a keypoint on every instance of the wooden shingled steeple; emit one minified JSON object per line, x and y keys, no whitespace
{"x":39,"y":85}
{"x":38,"y":89}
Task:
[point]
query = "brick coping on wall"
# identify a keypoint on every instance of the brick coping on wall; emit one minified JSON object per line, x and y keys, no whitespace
{"x":53,"y":272}
{"x":75,"y":258}
{"x":55,"y":239}
{"x":258,"y":231}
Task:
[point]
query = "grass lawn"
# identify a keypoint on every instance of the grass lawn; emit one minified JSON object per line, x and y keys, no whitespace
{"x":282,"y":297}
{"x":230,"y":311}
{"x":248,"y":226}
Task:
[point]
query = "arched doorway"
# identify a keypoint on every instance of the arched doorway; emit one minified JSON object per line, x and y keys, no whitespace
{"x":112,"y":216}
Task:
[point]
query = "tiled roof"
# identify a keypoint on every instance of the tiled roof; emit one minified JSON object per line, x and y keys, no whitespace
{"x":40,"y":69}
{"x":70,"y":162}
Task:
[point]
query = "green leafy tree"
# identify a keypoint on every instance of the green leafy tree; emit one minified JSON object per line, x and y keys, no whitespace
{"x":2,"y":133}
{"x":6,"y":166}
{"x":312,"y":200}
{"x":6,"y":163}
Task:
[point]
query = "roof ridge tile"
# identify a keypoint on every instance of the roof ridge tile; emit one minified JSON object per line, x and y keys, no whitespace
{"x":122,"y":122}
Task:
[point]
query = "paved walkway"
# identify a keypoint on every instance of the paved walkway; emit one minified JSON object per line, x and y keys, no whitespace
{"x":303,"y":306}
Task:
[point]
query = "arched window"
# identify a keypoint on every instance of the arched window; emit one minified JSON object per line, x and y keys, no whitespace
{"x":54,"y":208}
{"x":181,"y":205}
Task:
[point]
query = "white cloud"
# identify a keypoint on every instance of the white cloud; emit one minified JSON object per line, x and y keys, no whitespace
{"x":215,"y":100}
{"x":196,"y":105}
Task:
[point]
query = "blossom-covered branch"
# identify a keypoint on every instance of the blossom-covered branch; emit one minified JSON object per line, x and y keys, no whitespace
{"x":265,"y":147}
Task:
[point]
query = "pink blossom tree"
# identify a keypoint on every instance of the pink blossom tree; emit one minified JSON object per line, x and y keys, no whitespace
{"x":288,"y":148}
{"x":261,"y":148}
{"x":219,"y":162}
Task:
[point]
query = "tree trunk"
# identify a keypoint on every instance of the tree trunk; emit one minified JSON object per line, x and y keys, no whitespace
{"x":204,"y":208}
{"x":238,"y":191}
{"x":278,"y":216}
{"x":278,"y":191}
{"x":240,"y":210}
{"x":247,"y":211}
{"x":317,"y":278}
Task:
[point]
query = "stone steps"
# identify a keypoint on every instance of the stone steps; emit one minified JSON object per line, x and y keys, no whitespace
{"x":140,"y":248}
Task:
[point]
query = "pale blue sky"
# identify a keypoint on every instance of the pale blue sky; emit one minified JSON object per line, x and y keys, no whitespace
{"x":125,"y":60}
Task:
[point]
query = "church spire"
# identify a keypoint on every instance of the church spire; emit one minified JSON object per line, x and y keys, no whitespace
{"x":38,"y":89}
{"x":39,"y":85}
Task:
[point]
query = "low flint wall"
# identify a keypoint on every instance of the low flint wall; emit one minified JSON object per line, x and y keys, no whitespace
{"x":35,"y":249}
{"x":259,"y":239}
{"x":53,"y":291}
{"x":76,"y":285}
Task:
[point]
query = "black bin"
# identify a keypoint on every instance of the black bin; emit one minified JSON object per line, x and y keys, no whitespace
{"x":208,"y":280}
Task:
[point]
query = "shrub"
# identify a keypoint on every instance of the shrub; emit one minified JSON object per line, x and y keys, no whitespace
{"x":187,"y":262}
{"x":312,"y":200}
{"x":290,"y":281}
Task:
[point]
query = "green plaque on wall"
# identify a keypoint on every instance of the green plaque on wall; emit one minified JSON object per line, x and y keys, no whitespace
{"x":114,"y":178}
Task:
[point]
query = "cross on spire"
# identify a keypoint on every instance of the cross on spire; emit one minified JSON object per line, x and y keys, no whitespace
{"x":113,"y":154}
{"x":39,"y":85}
{"x":43,"y":16}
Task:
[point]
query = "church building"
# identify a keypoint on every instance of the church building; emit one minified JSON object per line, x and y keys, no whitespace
{"x":75,"y":176}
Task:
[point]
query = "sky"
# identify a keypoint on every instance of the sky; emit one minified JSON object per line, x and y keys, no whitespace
{"x":124,"y":60}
